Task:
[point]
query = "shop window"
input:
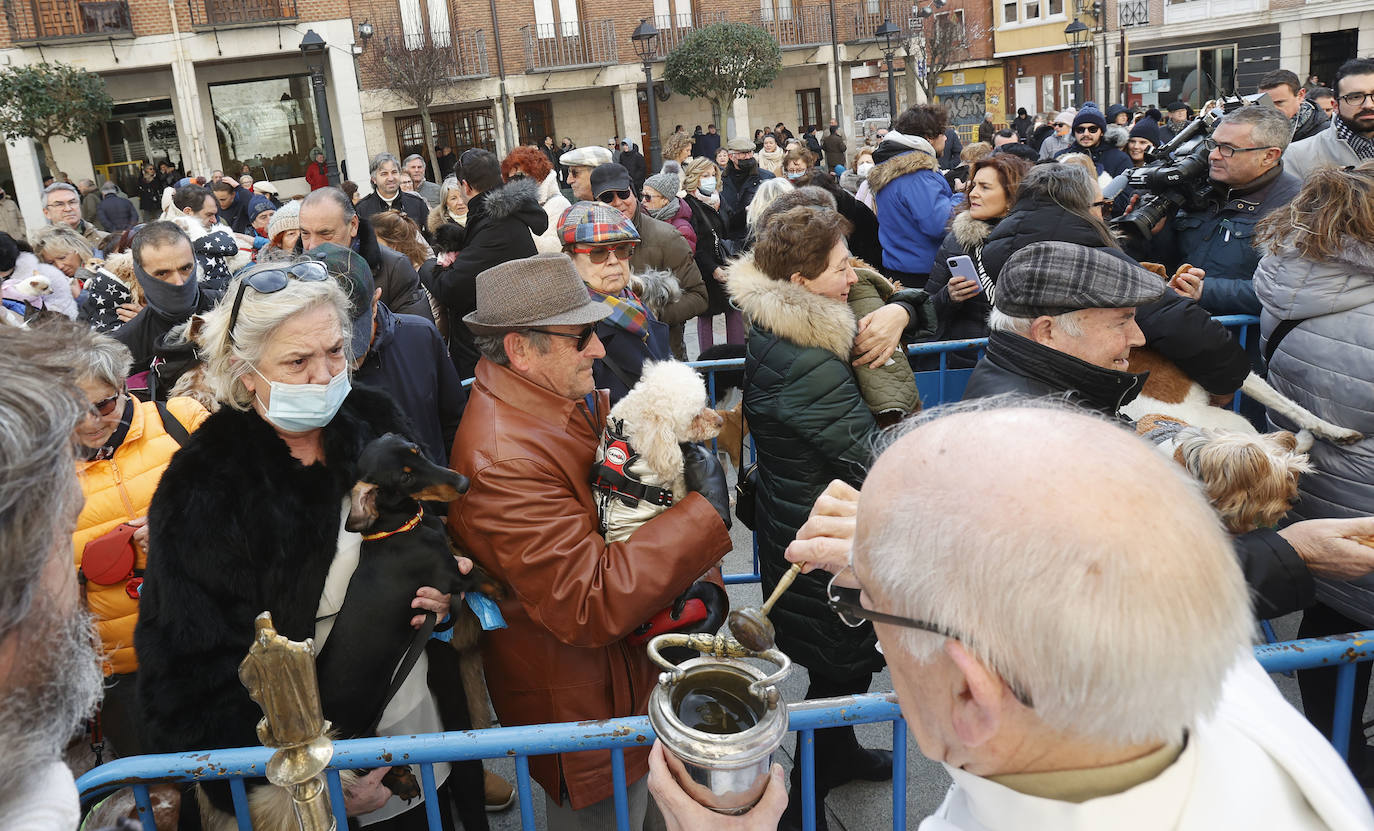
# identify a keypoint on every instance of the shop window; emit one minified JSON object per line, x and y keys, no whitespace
{"x":269,"y":125}
{"x":1192,"y":75}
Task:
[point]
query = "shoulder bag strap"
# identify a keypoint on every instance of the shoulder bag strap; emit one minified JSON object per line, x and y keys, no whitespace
{"x":173,"y":427}
{"x":1280,"y":332}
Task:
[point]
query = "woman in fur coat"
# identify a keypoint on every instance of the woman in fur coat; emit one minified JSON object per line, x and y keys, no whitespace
{"x":810,"y":425}
{"x":248,"y":517}
{"x":962,"y":306}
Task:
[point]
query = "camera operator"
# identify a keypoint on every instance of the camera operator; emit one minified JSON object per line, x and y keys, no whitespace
{"x":1247,"y":181}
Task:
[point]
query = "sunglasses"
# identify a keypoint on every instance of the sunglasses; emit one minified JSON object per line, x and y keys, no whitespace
{"x":610,"y":196}
{"x":105,"y":406}
{"x":269,"y":282}
{"x":1087,"y":128}
{"x":599,"y":253}
{"x":583,"y":338}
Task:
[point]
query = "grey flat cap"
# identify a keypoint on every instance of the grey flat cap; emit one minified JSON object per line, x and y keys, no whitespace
{"x":739,"y":145}
{"x":1053,"y":278}
{"x":585,"y":157}
{"x":543,"y":290}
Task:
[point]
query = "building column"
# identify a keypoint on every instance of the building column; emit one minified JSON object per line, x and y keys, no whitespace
{"x":627,"y":113}
{"x":847,"y":100}
{"x":737,"y":121}
{"x":187,"y":111}
{"x":28,"y":182}
{"x":350,"y":143}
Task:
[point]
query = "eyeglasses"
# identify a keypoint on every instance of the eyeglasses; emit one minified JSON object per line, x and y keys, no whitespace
{"x":583,"y":338}
{"x":599,"y":253}
{"x":105,"y":406}
{"x":610,"y":196}
{"x":1355,"y":99}
{"x":1227,"y":151}
{"x":844,"y":602}
{"x":269,"y":282}
{"x":1087,"y":128}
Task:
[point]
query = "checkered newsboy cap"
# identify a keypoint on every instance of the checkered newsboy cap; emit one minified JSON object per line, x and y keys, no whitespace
{"x":594,"y":223}
{"x":1054,"y":278}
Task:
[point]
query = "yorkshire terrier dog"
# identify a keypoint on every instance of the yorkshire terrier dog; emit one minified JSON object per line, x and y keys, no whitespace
{"x":638,"y":472}
{"x":1251,"y":479}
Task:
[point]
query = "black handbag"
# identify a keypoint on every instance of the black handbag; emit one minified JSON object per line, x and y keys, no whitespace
{"x":746,"y":489}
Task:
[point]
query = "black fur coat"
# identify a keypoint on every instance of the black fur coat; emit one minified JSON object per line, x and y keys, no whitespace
{"x":237,"y":527}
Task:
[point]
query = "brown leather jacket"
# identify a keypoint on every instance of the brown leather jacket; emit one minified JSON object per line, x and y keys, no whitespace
{"x":529,"y":518}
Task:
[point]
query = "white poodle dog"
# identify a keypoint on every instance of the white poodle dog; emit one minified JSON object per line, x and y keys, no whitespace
{"x":638,"y":472}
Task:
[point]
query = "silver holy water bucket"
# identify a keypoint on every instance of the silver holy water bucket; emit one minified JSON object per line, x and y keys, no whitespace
{"x":719,"y":718}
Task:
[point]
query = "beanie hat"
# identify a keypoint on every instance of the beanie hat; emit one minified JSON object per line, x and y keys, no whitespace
{"x":1114,"y":110}
{"x":1066,"y":117}
{"x":1147,"y":129}
{"x":9,"y":253}
{"x":1154,"y":115}
{"x":1090,"y":115}
{"x":287,"y":218}
{"x":664,"y":183}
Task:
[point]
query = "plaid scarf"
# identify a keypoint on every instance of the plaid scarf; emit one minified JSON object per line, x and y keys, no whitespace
{"x":626,"y":312}
{"x":1363,"y":147}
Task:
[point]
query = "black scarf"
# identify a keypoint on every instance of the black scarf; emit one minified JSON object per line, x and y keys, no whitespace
{"x":1104,"y":390}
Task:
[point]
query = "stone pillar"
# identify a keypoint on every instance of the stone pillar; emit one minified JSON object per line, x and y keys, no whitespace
{"x":627,"y":114}
{"x":28,"y":182}
{"x":737,"y":121}
{"x":191,"y":118}
{"x":347,"y":118}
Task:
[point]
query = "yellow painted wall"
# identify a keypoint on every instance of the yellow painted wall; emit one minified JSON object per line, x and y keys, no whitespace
{"x":1030,"y":37}
{"x":991,"y":76}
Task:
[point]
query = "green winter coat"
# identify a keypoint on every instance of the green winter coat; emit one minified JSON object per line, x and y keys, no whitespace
{"x":889,"y":389}
{"x":810,"y":425}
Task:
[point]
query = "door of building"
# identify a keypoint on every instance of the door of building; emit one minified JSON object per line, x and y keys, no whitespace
{"x":808,"y":108}
{"x":1025,"y":94}
{"x":535,"y":120}
{"x":1329,"y":51}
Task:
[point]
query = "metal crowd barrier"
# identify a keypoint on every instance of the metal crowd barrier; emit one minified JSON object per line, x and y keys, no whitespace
{"x":1337,"y":651}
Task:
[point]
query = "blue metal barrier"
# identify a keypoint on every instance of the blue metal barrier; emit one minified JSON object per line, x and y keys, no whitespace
{"x":1338,"y":651}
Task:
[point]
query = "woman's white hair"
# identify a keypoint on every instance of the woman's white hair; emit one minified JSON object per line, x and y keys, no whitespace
{"x":1070,"y":323}
{"x":260,"y":315}
{"x":769,"y":190}
{"x":59,"y":241}
{"x":1122,"y":636}
{"x":98,"y":357}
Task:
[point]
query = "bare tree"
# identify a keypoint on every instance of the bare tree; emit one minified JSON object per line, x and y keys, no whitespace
{"x":415,"y":67}
{"x":935,"y":43}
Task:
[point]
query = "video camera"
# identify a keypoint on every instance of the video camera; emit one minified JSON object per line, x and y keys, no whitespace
{"x":1175,"y":174}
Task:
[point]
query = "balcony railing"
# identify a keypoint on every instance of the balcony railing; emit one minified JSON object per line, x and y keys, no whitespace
{"x":570,"y":45}
{"x":865,"y":18}
{"x":470,"y":54}
{"x":673,"y":29}
{"x":210,"y":13}
{"x":795,"y":26}
{"x":1133,"y":12}
{"x":43,"y":20}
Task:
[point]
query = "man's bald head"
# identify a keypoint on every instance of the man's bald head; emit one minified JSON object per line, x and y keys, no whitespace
{"x":1066,"y":555}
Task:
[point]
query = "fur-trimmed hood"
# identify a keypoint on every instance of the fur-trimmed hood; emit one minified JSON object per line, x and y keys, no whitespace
{"x":790,"y":311}
{"x":889,"y":171}
{"x":969,"y":232}
{"x":518,"y":199}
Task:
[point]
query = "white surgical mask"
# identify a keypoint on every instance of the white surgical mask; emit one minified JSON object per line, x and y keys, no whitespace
{"x":864,"y":169}
{"x":299,"y":408}
{"x":707,"y":185}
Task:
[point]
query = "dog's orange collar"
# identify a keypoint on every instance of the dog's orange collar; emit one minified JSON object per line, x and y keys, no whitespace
{"x":410,"y":525}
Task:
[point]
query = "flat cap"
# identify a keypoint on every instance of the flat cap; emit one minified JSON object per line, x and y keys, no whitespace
{"x":592,"y":223}
{"x":355,"y":277}
{"x":543,"y":290}
{"x":1054,"y":278}
{"x":585,"y":157}
{"x":739,"y":145}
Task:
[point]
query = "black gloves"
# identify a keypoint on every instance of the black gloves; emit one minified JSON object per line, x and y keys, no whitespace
{"x":702,"y":472}
{"x":715,"y":599}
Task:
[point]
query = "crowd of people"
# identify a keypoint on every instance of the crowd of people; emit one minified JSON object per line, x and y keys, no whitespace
{"x":205,"y":372}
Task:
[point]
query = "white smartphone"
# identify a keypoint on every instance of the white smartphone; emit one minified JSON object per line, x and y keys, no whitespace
{"x":962,"y":266}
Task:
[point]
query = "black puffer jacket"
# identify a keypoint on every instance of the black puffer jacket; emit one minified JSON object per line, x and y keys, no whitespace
{"x":502,"y":224}
{"x":1174,"y":326}
{"x":969,"y":319}
{"x":810,"y":425}
{"x":709,"y":226}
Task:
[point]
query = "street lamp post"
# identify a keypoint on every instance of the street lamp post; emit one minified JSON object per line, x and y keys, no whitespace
{"x":313,"y":50}
{"x":1076,"y":35}
{"x":645,"y":39}
{"x":888,"y":33}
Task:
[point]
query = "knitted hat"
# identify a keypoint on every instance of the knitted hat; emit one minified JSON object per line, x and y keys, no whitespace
{"x":287,"y":218}
{"x":1090,"y":115}
{"x":1153,"y":114}
{"x":1054,"y":278}
{"x":543,"y":290}
{"x":1114,"y":110}
{"x":1147,"y":129}
{"x":664,"y":183}
{"x":593,"y":223}
{"x":1066,"y":117}
{"x":258,"y":206}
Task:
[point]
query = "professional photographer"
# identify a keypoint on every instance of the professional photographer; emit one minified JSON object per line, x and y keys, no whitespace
{"x":1214,"y":227}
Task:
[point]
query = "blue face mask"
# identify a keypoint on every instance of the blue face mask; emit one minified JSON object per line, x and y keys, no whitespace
{"x":794,"y":175}
{"x":707,"y":185}
{"x":300,"y":408}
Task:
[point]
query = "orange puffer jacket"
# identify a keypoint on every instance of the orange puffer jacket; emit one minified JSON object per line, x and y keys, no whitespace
{"x":118,"y":490}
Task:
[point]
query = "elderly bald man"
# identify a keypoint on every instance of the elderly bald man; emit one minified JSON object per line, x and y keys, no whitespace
{"x":1069,"y":671}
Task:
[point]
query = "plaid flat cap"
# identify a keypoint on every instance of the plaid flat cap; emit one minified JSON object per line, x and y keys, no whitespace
{"x":585,"y":157}
{"x":593,"y":223}
{"x":1053,"y":278}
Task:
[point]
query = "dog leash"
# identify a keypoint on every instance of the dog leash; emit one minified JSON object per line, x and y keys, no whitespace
{"x":417,"y":646}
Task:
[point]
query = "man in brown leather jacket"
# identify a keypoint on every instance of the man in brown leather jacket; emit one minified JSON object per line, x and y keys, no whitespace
{"x":527,"y":441}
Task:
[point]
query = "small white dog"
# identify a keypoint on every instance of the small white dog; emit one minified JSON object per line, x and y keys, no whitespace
{"x":638,"y":472}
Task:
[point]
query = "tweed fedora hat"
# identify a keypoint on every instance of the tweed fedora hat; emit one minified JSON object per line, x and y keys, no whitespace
{"x":543,"y":290}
